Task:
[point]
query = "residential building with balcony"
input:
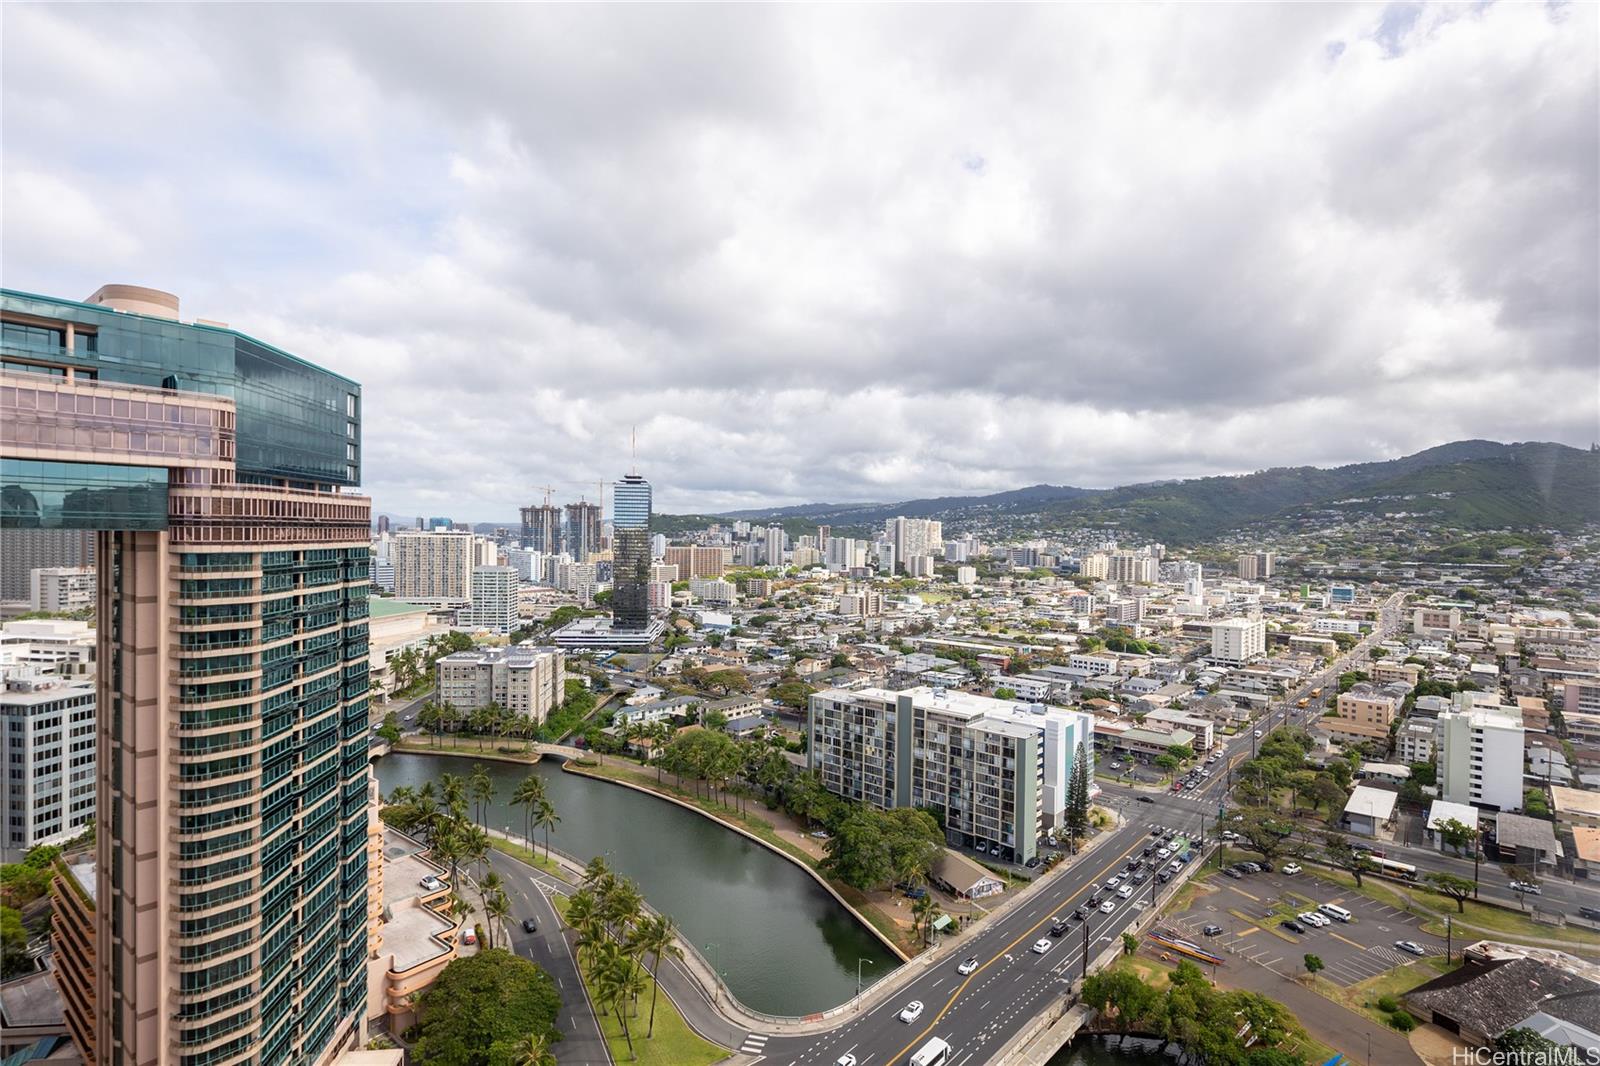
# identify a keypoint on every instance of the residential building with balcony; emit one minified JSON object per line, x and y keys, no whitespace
{"x":1238,"y":641}
{"x":524,"y":680}
{"x":214,"y":472}
{"x":1479,"y":754}
{"x":72,"y":943}
{"x":1363,"y":713}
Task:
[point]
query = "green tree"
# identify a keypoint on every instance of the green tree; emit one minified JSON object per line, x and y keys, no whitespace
{"x":1130,"y":943}
{"x":1526,"y":1047}
{"x":1077,"y":809}
{"x":1459,"y":889}
{"x":479,"y":1001}
{"x":858,"y":852}
{"x":1344,"y":855}
{"x":1167,"y":763}
{"x":658,"y":938}
{"x":1265,"y":833}
{"x":390,"y":729}
{"x":1123,"y":997}
{"x":529,"y":793}
{"x":530,"y":1049}
{"x":13,"y":944}
{"x":1004,"y":693}
{"x":1313,"y":964}
{"x":546,"y":818}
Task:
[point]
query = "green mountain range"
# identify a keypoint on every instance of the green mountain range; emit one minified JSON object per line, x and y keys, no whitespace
{"x":1472,"y":485}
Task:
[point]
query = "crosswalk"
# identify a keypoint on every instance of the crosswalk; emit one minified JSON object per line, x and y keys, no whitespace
{"x":754,"y":1044}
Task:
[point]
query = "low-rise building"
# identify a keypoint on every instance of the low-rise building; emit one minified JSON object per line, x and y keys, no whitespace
{"x":1441,"y":811}
{"x":1363,"y":713}
{"x":1370,"y":811}
{"x":525,"y":680}
{"x":1575,"y":806}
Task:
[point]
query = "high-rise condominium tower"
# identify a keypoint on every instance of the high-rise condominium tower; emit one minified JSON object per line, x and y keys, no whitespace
{"x":630,"y":575}
{"x":231,"y":903}
{"x":541,"y":528}
{"x":583,"y":530}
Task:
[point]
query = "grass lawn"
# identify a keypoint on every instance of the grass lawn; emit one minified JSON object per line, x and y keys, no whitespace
{"x":484,"y":747}
{"x":517,"y":851}
{"x":674,"y":1043}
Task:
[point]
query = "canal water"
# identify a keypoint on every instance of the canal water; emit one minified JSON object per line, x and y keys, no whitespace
{"x":784,"y":945}
{"x":1110,"y":1051}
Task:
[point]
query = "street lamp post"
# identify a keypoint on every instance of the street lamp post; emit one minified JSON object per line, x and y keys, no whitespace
{"x":1085,"y":949}
{"x":716,"y":980}
{"x":858,"y":980}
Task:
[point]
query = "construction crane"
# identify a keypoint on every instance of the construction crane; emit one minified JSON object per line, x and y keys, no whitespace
{"x":547,"y":490}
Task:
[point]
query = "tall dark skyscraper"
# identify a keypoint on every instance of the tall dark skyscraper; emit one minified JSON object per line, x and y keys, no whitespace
{"x":630,"y":531}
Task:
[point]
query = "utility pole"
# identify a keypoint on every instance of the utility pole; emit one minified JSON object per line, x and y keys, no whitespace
{"x":1447,"y":928}
{"x":1086,"y":949}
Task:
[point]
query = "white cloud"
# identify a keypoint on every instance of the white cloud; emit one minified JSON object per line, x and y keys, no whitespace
{"x":842,"y":253}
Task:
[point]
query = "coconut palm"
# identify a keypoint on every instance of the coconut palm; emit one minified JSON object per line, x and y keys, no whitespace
{"x":487,"y":888}
{"x":453,"y":788}
{"x":621,"y":906}
{"x":497,"y":907}
{"x":529,"y":793}
{"x":533,"y":1049}
{"x":619,"y":982}
{"x":481,"y":788}
{"x":657,"y":936}
{"x":597,"y":870}
{"x":546,"y":818}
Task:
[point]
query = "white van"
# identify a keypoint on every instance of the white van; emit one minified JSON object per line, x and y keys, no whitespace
{"x":934,"y":1053}
{"x":1334,"y":911}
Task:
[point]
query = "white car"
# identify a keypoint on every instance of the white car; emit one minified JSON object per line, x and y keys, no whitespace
{"x":967,"y":966}
{"x":1108,"y":906}
{"x":1313,"y":918}
{"x":845,"y":1060}
{"x":431,"y":884}
{"x":1043,"y":945}
{"x":1205,"y":773}
{"x":1292,"y":868}
{"x":1125,"y":891}
{"x":1229,"y":834}
{"x":1164,"y":853}
{"x":912,"y":1012}
{"x":1114,"y":882}
{"x":1258,"y":733}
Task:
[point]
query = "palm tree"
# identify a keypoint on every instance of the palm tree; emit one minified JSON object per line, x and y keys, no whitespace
{"x":620,"y":981}
{"x":487,"y":888}
{"x":597,"y":870}
{"x":546,"y":818}
{"x":454,"y":790}
{"x":532,"y":1050}
{"x":497,"y":907}
{"x":657,"y":936}
{"x":481,"y":787}
{"x":923,"y":913}
{"x":529,"y":793}
{"x":621,"y":906}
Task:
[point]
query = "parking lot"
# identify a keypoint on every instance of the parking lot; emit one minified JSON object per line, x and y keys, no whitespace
{"x":1249,"y":910}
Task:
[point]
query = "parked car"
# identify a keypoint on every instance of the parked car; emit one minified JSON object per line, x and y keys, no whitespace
{"x":967,"y":966}
{"x":1291,"y":868}
{"x":1591,"y":913}
{"x":529,"y":925}
{"x":1030,"y":864}
{"x":1212,"y":930}
{"x":981,"y":849}
{"x":1229,"y":872}
{"x":916,"y":892}
{"x":1042,"y":945}
{"x":1291,"y":925}
{"x":1410,"y":946}
{"x":468,"y":936}
{"x":431,"y":883}
{"x":1314,"y":919}
{"x":912,"y":1012}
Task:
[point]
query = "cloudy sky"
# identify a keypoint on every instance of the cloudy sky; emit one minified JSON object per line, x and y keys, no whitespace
{"x":841,"y":253}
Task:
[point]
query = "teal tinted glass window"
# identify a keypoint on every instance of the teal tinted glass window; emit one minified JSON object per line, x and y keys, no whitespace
{"x":35,"y":494}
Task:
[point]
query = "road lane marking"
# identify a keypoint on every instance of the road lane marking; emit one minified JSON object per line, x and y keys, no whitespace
{"x":1352,"y":943}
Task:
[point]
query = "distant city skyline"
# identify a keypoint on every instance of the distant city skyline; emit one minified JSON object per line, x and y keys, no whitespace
{"x":1079,"y":245}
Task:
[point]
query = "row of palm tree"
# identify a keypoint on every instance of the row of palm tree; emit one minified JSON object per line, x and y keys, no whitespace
{"x":537,"y":810}
{"x":488,"y":721}
{"x":615,"y":936}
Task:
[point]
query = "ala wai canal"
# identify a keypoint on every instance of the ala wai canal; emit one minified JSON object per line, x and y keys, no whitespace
{"x":785,"y":945}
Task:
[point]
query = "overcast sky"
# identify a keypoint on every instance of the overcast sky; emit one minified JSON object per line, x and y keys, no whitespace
{"x":841,"y":253}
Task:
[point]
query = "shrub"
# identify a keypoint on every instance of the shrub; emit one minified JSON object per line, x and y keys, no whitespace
{"x":1388,"y":1004}
{"x":1402,"y":1021}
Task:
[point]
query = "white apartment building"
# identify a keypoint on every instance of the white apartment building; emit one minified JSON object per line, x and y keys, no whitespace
{"x":713,"y":590}
{"x":773,"y":541}
{"x":1478,"y":753}
{"x":1336,"y":625}
{"x":576,"y":577}
{"x":47,"y":733}
{"x":529,"y":565}
{"x":1436,"y":621}
{"x":1204,"y":729}
{"x":524,"y":680}
{"x":1413,"y":741}
{"x":1093,"y":665}
{"x":61,"y":589}
{"x":919,"y":566}
{"x":1096,"y":565}
{"x":494,"y":600}
{"x":1237,"y":641}
{"x":997,"y":771}
{"x":434,"y":567}
{"x":966,"y":575}
{"x":1131,"y":567}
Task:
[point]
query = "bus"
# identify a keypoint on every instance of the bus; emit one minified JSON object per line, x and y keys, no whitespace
{"x":1404,"y":871}
{"x":934,"y":1053}
{"x":1303,"y":702}
{"x":1316,"y":693}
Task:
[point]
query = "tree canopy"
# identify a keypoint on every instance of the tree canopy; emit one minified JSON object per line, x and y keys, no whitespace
{"x":480,"y":1005}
